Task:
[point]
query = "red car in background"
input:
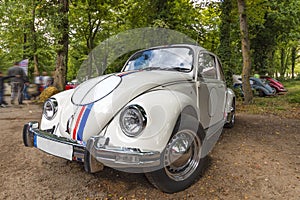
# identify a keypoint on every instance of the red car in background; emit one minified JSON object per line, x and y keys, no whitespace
{"x":72,"y":84}
{"x":278,"y":86}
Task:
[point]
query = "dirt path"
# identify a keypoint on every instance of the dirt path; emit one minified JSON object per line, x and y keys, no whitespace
{"x":258,"y":159}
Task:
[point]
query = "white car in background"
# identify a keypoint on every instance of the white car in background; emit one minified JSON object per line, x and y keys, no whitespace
{"x":161,"y":115}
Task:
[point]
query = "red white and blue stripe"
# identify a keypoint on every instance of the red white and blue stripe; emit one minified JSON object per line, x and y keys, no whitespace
{"x":81,"y":122}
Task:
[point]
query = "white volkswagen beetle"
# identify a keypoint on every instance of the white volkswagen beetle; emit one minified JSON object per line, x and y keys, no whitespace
{"x":161,"y":115}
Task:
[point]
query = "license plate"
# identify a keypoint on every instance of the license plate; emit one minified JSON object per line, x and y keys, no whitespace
{"x":55,"y":148}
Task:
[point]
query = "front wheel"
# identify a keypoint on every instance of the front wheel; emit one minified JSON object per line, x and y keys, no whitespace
{"x":182,"y":162}
{"x":274,"y":91}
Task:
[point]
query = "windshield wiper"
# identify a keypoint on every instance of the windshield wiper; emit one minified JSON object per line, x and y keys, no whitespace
{"x":180,"y":69}
{"x":153,"y":68}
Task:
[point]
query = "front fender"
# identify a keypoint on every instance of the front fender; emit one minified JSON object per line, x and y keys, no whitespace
{"x":63,"y":99}
{"x":265,"y":90}
{"x":162,"y":108}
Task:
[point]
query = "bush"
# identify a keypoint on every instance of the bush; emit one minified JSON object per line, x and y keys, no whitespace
{"x":47,"y":93}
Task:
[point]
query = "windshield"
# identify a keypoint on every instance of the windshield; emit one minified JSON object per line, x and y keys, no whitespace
{"x":171,"y":58}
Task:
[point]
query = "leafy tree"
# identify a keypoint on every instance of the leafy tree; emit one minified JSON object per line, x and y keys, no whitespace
{"x":95,"y":24}
{"x":38,"y":30}
{"x":246,"y":52}
{"x":25,"y":34}
{"x":280,"y":25}
{"x":63,"y":42}
{"x":12,"y":32}
{"x":294,"y":57}
{"x":208,"y":22}
{"x":224,"y":50}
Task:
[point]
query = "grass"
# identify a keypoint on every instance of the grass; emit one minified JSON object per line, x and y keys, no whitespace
{"x":293,"y":95}
{"x":284,"y":105}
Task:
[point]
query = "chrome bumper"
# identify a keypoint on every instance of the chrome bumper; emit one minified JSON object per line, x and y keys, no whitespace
{"x":32,"y":135}
{"x":94,"y":154}
{"x":125,"y":159}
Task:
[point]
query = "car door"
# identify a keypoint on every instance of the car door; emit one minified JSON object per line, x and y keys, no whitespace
{"x":211,"y":89}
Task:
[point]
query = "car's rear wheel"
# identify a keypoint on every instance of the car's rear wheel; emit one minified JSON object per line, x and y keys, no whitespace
{"x":231,"y":122}
{"x":261,"y":93}
{"x":182,"y":162}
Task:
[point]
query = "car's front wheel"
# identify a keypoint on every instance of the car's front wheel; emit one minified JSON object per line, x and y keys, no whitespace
{"x":182,"y":162}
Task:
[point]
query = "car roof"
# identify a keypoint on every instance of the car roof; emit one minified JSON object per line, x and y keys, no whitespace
{"x":192,"y":46}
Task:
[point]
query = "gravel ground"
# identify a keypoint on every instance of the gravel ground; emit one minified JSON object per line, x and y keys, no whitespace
{"x":258,"y":159}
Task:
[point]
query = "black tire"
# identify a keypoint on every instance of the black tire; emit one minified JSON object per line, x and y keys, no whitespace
{"x":181,"y":167}
{"x":261,"y":93}
{"x":274,"y":90}
{"x":26,"y":140}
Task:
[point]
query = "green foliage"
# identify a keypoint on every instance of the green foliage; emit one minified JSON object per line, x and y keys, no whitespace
{"x":19,"y":40}
{"x":225,"y":48}
{"x":117,"y":65}
{"x":32,"y":28}
{"x":279,"y":25}
{"x":293,"y":95}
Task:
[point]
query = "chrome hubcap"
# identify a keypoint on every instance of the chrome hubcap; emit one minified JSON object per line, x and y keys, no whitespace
{"x":182,"y":155}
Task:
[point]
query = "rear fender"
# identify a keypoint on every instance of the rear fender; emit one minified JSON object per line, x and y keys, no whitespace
{"x":229,"y":100}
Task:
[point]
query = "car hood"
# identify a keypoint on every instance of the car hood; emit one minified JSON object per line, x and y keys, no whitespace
{"x":96,"y":101}
{"x":124,"y":86}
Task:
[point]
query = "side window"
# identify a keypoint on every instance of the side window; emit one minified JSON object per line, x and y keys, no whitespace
{"x":221,"y":72}
{"x":207,"y":66}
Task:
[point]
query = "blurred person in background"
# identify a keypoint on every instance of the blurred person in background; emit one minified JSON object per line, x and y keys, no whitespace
{"x":25,"y":91}
{"x":17,"y":82}
{"x":2,"y":78}
{"x":45,"y":78}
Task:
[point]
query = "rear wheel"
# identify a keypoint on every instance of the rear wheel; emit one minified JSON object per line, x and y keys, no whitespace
{"x":261,"y":93}
{"x":231,"y":116}
{"x":182,"y":163}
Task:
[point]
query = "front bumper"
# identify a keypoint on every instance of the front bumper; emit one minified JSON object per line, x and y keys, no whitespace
{"x":94,"y":154}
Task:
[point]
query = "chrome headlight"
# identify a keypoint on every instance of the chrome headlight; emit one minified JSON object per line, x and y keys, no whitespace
{"x":50,"y":108}
{"x":133,"y":120}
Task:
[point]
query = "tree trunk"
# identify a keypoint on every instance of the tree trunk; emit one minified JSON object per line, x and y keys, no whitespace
{"x":34,"y":41}
{"x":62,"y":52}
{"x":248,"y":96}
{"x":93,"y":30}
{"x":293,"y":57}
{"x":282,"y":56}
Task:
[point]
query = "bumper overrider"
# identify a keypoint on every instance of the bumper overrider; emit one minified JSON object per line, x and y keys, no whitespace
{"x":95,"y":153}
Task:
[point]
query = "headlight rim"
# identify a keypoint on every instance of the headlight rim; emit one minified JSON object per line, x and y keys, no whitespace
{"x":142,"y":115}
{"x":54,"y":105}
